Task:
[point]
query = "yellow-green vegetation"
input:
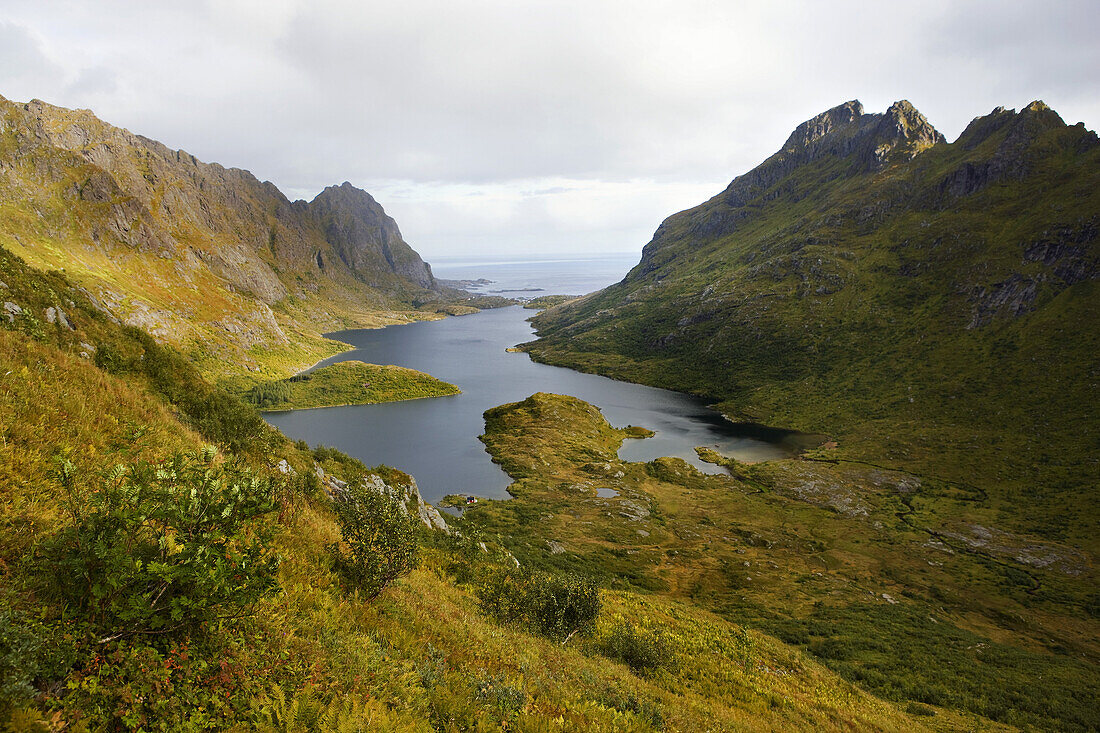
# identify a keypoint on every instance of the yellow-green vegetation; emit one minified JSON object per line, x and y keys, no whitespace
{"x":188,"y":623}
{"x":855,"y":563}
{"x":932,"y":308}
{"x":347,"y":383}
{"x":205,"y":258}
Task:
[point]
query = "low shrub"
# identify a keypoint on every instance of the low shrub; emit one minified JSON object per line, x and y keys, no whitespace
{"x":495,"y":692}
{"x":916,"y":708}
{"x":21,"y":652}
{"x":643,"y":650}
{"x":159,"y":549}
{"x":628,"y":701}
{"x":380,"y":537}
{"x":554,"y":605}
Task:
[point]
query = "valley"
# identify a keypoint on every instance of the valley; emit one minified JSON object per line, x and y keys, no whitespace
{"x":894,"y":528}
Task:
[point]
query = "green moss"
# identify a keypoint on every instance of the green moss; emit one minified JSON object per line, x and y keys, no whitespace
{"x":849,"y":560}
{"x":348,"y":383}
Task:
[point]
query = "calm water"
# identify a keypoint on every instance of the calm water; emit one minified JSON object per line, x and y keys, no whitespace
{"x":435,"y":439}
{"x":531,"y":278}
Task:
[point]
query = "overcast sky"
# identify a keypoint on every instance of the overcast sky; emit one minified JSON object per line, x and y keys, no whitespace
{"x":532,"y":127}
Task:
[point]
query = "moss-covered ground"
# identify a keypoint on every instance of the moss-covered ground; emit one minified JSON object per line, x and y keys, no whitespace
{"x":885,"y":576}
{"x":348,"y":383}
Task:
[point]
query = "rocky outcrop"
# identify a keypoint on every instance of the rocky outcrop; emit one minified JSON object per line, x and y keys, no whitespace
{"x":364,"y":237}
{"x":405,"y":492}
{"x":1010,"y":298}
{"x":1013,"y":157}
{"x":901,"y":134}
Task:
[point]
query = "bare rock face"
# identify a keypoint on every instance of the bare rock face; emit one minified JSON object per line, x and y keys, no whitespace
{"x":900,"y":135}
{"x":407,"y":494}
{"x":817,"y":135}
{"x":364,"y":237}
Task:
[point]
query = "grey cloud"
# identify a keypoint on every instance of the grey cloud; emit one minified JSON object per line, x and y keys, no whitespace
{"x":93,"y":82}
{"x":533,"y":98}
{"x":25,"y":70}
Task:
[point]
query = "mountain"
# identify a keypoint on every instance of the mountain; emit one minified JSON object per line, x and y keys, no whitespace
{"x":205,"y":257}
{"x":929,"y":309}
{"x":930,"y":305}
{"x":364,"y":238}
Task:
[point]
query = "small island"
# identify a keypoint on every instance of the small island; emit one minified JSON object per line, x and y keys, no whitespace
{"x":347,"y":383}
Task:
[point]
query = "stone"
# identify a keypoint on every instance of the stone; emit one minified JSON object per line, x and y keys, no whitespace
{"x":54,"y":314}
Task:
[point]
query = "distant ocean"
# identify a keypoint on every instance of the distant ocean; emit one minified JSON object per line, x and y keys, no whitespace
{"x":515,"y":277}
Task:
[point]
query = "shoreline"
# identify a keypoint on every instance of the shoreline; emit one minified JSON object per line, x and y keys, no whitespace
{"x":356,"y":404}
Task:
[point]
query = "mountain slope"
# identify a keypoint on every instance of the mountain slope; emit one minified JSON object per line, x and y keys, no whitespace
{"x":199,"y":255}
{"x":930,"y":304}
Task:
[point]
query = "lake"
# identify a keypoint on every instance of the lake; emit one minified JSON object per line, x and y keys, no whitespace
{"x":436,"y":440}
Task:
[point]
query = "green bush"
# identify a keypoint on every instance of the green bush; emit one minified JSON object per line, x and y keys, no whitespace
{"x":158,"y":549}
{"x":554,"y":605}
{"x":268,"y":394}
{"x":628,"y":701}
{"x":642,"y":650}
{"x":21,"y":652}
{"x":380,"y":537}
{"x":916,"y":708}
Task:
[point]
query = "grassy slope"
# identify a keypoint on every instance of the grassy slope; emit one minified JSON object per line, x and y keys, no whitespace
{"x":419,"y":658}
{"x":829,"y":555}
{"x":355,"y":383}
{"x":547,"y":301}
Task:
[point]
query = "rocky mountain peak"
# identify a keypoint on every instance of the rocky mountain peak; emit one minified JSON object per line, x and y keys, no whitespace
{"x":868,"y":141}
{"x":348,"y":196}
{"x":816,"y":128}
{"x":901,"y":134}
{"x":363,"y":235}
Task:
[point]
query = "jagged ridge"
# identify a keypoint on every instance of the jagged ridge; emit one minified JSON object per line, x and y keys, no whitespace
{"x":194,"y":252}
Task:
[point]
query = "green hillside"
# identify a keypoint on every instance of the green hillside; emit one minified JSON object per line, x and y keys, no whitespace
{"x":203,"y":257}
{"x":932,"y":306}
